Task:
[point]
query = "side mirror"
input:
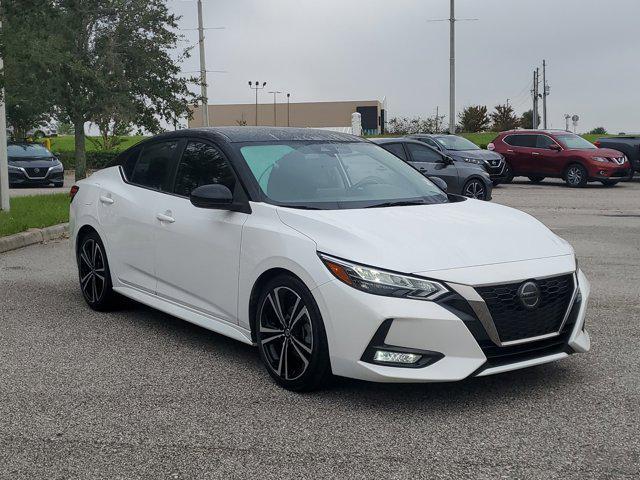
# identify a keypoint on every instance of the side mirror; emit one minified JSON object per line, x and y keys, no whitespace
{"x":555,"y":147}
{"x":440,"y":183}
{"x":212,"y":196}
{"x":447,"y":160}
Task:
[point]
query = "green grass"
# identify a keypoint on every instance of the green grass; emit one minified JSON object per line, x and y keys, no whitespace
{"x":37,"y":211}
{"x":65,"y":143}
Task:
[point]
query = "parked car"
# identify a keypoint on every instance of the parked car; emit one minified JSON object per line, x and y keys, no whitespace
{"x":463,"y":150}
{"x":31,"y":164}
{"x":43,"y":130}
{"x":328,"y":253}
{"x":538,"y":154}
{"x":629,"y":145}
{"x":468,"y":179}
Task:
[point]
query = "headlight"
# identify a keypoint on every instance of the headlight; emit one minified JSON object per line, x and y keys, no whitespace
{"x":13,"y":168}
{"x":600,"y":159}
{"x":575,"y":257}
{"x":475,"y":161}
{"x":382,"y":282}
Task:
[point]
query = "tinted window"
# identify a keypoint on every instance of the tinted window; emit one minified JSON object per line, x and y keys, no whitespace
{"x":154,"y":165}
{"x":423,"y":154}
{"x":396,"y":149}
{"x":430,"y":142}
{"x":202,"y":164}
{"x":544,"y":142}
{"x":521,"y":140}
{"x":127,"y":160}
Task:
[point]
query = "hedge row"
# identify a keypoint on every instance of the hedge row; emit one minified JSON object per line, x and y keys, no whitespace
{"x":95,"y":160}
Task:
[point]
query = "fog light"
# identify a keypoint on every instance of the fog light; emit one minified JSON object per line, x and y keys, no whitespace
{"x":603,"y":172}
{"x":396,"y":357}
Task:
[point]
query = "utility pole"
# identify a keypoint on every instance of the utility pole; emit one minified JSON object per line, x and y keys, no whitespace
{"x":4,"y":166}
{"x":437,"y":118}
{"x":257,"y":87}
{"x":288,"y":110}
{"x":452,"y":69}
{"x":275,"y":118}
{"x":535,"y":117}
{"x":545,"y":92}
{"x":203,"y":69}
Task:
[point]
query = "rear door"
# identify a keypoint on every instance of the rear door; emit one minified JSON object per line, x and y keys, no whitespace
{"x":518,"y":152}
{"x":432,"y":164}
{"x":127,"y":208}
{"x":198,"y":249}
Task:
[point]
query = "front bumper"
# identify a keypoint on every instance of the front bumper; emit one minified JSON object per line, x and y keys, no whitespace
{"x":22,"y":178}
{"x":597,"y":173}
{"x":354,"y":318}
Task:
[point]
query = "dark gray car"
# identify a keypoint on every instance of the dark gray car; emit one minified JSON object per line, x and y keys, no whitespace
{"x":463,"y":150}
{"x":468,"y":179}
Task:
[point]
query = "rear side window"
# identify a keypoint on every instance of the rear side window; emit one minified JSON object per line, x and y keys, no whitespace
{"x":521,"y":140}
{"x":153,"y":168}
{"x":127,"y":160}
{"x":397,"y":149}
{"x":423,"y":154}
{"x":202,"y":164}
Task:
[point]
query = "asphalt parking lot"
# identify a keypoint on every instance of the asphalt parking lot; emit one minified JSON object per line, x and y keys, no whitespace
{"x":137,"y":393}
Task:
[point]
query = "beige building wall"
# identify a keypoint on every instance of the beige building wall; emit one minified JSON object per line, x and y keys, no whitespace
{"x":311,"y":114}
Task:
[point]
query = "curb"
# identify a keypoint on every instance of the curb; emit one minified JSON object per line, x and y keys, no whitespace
{"x":33,"y":236}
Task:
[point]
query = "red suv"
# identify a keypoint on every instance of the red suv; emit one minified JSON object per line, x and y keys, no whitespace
{"x":538,"y":154}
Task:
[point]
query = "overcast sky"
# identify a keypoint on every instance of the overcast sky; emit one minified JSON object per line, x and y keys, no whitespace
{"x":324,"y":50}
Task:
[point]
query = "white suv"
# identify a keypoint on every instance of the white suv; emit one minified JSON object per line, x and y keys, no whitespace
{"x":328,"y":253}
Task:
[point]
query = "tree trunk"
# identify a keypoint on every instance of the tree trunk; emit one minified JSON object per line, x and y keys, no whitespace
{"x":80,"y":154}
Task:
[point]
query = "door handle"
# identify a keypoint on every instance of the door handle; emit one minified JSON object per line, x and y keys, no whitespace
{"x":165,"y":218}
{"x":509,"y":151}
{"x":106,"y":200}
{"x":535,"y":153}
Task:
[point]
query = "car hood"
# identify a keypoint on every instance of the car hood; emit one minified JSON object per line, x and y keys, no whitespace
{"x":604,"y":152}
{"x":476,"y":154}
{"x":32,"y":162}
{"x":428,"y":237}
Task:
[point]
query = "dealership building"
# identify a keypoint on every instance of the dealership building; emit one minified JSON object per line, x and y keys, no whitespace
{"x":330,"y":115}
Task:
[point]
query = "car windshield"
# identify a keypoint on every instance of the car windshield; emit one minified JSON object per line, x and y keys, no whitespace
{"x":336,"y":175}
{"x":575,"y":142}
{"x":455,"y":143}
{"x":27,"y":150}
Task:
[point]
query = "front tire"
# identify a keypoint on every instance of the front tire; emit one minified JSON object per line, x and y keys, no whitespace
{"x":94,"y":273}
{"x":507,"y":174}
{"x":475,"y":188}
{"x":575,"y":176}
{"x":290,"y":334}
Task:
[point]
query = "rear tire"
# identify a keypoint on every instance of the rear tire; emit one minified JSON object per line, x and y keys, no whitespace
{"x":290,"y":334}
{"x":94,"y":273}
{"x":575,"y":176}
{"x":536,"y":178}
{"x":609,"y":183}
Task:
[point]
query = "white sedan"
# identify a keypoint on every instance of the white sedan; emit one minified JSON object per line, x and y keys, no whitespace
{"x":330,"y":254}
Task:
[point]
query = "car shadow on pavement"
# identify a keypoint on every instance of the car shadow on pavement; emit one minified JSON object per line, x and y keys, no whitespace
{"x":448,"y":396}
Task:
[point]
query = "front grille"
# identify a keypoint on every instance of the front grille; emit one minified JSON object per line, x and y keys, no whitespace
{"x":514,"y":322}
{"x":40,"y":173}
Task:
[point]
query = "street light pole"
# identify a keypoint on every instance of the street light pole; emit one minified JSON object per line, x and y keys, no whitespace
{"x":257,"y":87}
{"x":4,"y":167}
{"x":288,"y":110}
{"x":452,"y":69}
{"x":203,"y":69}
{"x":275,"y":118}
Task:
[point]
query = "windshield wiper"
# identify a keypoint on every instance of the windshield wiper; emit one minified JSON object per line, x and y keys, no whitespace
{"x":400,"y":203}
{"x":301,"y":207}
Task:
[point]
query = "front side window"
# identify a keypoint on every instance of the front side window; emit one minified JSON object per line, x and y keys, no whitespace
{"x":423,"y":154}
{"x":455,"y":143}
{"x":335,"y":175}
{"x":202,"y":164}
{"x":154,"y":166}
{"x":544,"y":142}
{"x":397,"y":149}
{"x":575,"y":142}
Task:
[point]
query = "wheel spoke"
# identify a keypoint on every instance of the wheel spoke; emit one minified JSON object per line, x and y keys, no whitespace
{"x":272,"y":338}
{"x":264,"y":329}
{"x":293,"y":310}
{"x":85,"y":281}
{"x":300,"y":354}
{"x":281,"y":359}
{"x":94,"y":288}
{"x":302,"y":313}
{"x":298,"y":343}
{"x":276,"y":308}
{"x":85,"y":259}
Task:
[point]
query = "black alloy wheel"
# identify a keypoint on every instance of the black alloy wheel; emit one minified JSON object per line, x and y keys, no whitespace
{"x":291,"y":336}
{"x":94,"y":274}
{"x":475,"y":188}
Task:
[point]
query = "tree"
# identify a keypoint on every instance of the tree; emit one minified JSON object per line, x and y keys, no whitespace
{"x":504,"y":118}
{"x":598,"y":131}
{"x":28,"y":99}
{"x":474,"y":119}
{"x":109,"y":61}
{"x":526,"y":121}
{"x":408,"y":126}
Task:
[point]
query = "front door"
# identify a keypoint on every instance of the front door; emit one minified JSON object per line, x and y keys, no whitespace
{"x":198,"y":249}
{"x":545,"y":159}
{"x":431,"y":164}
